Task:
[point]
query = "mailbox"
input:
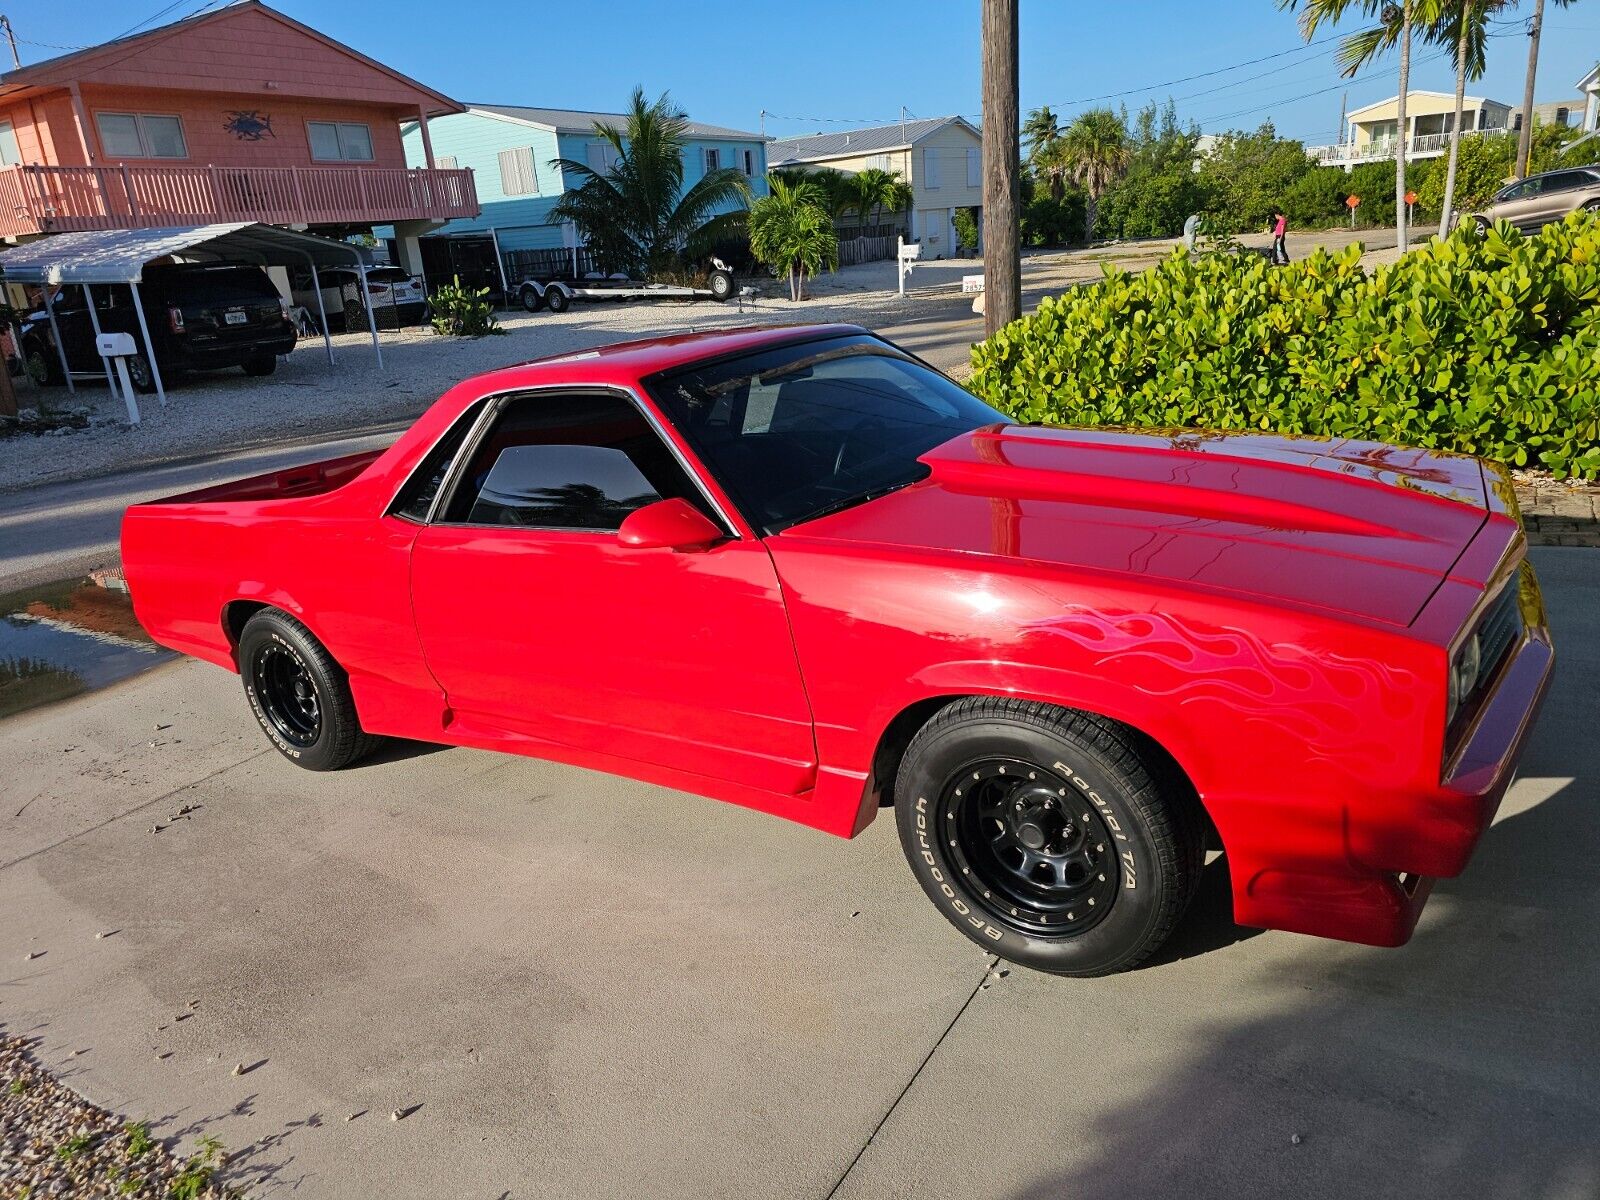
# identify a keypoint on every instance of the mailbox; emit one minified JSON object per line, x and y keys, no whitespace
{"x":115,"y":345}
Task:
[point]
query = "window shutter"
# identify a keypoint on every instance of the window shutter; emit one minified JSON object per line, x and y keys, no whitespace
{"x":930,"y":169}
{"x":974,"y":168}
{"x":517,"y":174}
{"x":598,"y":156}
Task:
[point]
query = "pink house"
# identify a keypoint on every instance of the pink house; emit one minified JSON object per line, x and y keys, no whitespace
{"x":240,"y":114}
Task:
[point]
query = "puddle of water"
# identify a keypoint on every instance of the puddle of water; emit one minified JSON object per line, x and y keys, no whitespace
{"x":66,"y":638}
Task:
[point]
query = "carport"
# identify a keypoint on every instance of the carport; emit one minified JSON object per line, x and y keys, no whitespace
{"x":120,"y":256}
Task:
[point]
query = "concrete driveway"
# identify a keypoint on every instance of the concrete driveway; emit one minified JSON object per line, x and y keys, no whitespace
{"x":573,"y":985}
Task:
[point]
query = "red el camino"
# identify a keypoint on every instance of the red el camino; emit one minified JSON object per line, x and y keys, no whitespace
{"x":799,"y":570}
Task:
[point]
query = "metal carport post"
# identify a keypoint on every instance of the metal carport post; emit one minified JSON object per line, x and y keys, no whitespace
{"x":322,"y":309}
{"x":55,"y":334}
{"x":366,"y":303}
{"x":94,"y":320}
{"x":150,"y":347}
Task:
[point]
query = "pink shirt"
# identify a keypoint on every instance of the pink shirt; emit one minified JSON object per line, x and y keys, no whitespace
{"x":1280,"y":226}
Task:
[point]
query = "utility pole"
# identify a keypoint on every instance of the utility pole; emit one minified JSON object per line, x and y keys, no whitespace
{"x":11,"y":39}
{"x":763,"y":122}
{"x":1002,"y":168}
{"x":1344,"y":103}
{"x":1525,"y":137}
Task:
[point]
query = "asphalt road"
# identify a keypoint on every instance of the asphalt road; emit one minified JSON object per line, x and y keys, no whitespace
{"x":573,"y":985}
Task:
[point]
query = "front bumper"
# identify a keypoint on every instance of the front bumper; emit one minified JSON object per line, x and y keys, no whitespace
{"x":1389,"y":869}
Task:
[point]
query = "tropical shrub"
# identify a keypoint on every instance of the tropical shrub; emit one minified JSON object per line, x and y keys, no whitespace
{"x":966,"y":223}
{"x":1486,"y":343}
{"x":792,"y":232}
{"x":462,"y":312}
{"x":1047,"y":221}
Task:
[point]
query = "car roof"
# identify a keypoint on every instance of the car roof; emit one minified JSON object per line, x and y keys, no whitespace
{"x":650,"y":356}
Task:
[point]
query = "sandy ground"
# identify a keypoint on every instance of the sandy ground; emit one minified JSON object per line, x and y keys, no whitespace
{"x":228,"y":410}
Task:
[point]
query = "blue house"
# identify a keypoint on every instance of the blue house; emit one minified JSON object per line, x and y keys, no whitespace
{"x":510,"y":151}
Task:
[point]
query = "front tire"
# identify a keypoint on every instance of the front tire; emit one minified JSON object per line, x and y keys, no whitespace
{"x":300,"y":696}
{"x":532,"y":301}
{"x":42,"y":366}
{"x":721,"y":285}
{"x":1050,"y":837}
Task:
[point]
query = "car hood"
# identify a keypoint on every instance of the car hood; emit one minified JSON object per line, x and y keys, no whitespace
{"x":1357,"y":528}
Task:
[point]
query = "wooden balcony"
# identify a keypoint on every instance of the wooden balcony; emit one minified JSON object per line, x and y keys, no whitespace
{"x":36,"y":199}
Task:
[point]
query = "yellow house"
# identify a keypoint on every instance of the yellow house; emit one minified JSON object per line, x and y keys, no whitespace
{"x":940,"y":158}
{"x":1372,"y":132}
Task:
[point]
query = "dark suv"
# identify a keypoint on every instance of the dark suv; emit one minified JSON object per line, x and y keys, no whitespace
{"x":201,"y":316}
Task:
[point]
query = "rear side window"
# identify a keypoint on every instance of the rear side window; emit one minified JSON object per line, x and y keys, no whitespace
{"x":416,"y":498}
{"x":580,"y":461}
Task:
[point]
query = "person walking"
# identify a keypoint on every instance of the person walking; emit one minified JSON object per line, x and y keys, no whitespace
{"x":1280,"y":248}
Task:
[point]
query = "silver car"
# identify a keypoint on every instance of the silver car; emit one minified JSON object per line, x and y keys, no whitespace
{"x":1534,"y":202}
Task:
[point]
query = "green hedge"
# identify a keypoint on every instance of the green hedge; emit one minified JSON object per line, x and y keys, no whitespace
{"x":1485,"y":343}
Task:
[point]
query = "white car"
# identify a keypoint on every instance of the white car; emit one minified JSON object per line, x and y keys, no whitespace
{"x":397,"y":298}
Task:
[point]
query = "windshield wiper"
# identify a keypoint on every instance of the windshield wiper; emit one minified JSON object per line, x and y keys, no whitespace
{"x":851,"y":501}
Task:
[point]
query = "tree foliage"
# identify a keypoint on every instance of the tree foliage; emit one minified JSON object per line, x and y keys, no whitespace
{"x":791,"y":231}
{"x":637,"y":216}
{"x":1487,"y":344}
{"x":1095,"y":152}
{"x":1247,"y":176}
{"x":1160,"y":188}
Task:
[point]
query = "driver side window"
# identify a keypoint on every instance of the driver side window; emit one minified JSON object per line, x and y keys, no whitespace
{"x":578,"y":461}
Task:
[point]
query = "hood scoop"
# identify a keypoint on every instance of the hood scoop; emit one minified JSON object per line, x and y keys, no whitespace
{"x":1205,"y":487}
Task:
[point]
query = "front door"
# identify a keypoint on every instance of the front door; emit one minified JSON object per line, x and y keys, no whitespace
{"x":537,"y":621}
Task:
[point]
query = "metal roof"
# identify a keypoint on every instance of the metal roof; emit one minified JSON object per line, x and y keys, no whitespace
{"x":873,"y":140}
{"x":573,"y":120}
{"x":120,"y":255}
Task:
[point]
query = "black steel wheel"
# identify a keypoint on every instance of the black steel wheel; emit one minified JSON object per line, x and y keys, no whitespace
{"x":1039,"y":857}
{"x":1054,"y":838}
{"x":299,"y":694}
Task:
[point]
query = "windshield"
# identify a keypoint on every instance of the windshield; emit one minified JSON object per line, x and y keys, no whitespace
{"x":808,"y":429}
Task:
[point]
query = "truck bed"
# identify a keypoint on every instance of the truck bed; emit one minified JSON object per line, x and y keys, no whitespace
{"x":291,"y":483}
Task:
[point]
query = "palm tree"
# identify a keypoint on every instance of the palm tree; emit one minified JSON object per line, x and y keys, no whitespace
{"x":791,"y":230}
{"x":1095,"y":152}
{"x":637,"y":216}
{"x":1040,"y":133}
{"x":873,"y":189}
{"x":1466,"y":26}
{"x":833,"y":185}
{"x":1395,"y":25}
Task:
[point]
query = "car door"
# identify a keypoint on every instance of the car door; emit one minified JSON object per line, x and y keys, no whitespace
{"x":537,"y":621}
{"x":1555,"y":198}
{"x":1520,"y":203}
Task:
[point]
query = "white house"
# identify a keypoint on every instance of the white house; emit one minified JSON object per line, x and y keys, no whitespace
{"x":940,"y":158}
{"x":1373,"y":130}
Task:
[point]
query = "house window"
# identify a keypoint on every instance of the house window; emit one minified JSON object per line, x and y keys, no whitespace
{"x":1561,"y":116}
{"x":930,"y":169}
{"x":9,"y":154}
{"x":140,"y":135}
{"x":518,"y":175}
{"x":339,"y":141}
{"x":879,"y":162}
{"x":974,"y":168}
{"x":446,"y":162}
{"x":749,"y":157}
{"x":713,"y":159}
{"x":600,"y":156}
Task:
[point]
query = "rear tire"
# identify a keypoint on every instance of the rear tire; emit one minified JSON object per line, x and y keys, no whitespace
{"x":140,"y":375}
{"x":300,"y":696}
{"x":532,"y":301}
{"x":1050,"y":837}
{"x":557,"y":300}
{"x":261,"y":364}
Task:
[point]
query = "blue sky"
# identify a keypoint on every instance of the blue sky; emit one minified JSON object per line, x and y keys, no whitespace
{"x":826,"y":64}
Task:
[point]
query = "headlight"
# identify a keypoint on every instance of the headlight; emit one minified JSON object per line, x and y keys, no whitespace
{"x":1464,"y":673}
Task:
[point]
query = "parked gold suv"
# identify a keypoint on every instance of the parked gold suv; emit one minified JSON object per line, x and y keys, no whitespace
{"x":1531,"y":203}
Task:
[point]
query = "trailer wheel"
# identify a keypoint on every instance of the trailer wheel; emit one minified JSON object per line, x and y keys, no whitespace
{"x":557,"y":298}
{"x":721,"y":285}
{"x":531,"y":299}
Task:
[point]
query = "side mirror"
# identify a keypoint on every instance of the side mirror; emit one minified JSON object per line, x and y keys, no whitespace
{"x":675,"y":524}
